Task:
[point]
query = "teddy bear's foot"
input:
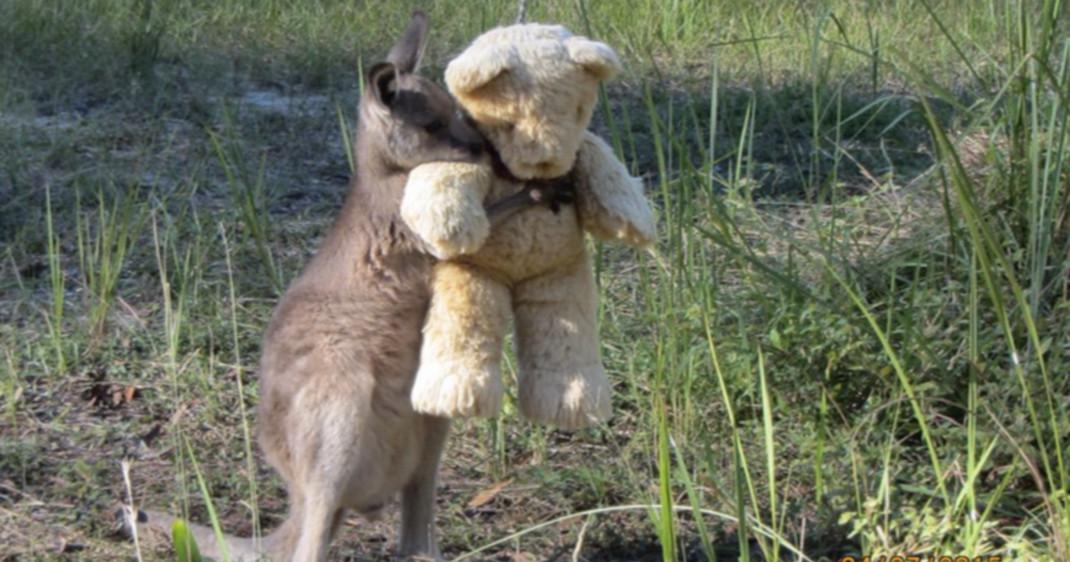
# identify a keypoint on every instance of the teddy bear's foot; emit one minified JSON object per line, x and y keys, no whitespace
{"x":570,"y":400}
{"x":449,"y":389}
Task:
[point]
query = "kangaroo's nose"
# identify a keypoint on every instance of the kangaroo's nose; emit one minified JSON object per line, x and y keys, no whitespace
{"x":466,"y":134}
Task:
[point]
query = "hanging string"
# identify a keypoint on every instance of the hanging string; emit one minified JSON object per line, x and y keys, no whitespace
{"x":522,"y":11}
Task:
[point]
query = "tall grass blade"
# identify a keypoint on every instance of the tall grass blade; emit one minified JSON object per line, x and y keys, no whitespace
{"x":56,"y":278}
{"x":904,"y":380}
{"x":695,"y":499}
{"x":213,"y":517}
{"x":770,"y":449}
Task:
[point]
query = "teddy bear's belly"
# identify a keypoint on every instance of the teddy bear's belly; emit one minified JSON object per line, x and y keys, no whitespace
{"x":533,"y":242}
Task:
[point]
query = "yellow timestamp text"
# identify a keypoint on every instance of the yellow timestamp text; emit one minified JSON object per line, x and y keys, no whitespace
{"x":921,"y":558}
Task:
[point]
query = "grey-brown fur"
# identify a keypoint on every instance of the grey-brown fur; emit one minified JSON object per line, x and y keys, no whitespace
{"x":341,"y":350}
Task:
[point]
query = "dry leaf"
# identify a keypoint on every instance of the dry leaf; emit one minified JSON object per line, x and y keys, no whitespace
{"x":484,"y":497}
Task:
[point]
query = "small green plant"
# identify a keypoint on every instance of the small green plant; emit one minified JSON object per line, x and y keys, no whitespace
{"x":103,"y":247}
{"x":143,"y":42}
{"x":10,"y":387}
{"x":183,"y":542}
{"x":250,"y":197}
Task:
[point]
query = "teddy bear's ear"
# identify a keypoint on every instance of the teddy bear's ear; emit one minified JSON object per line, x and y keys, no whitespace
{"x":597,"y":58}
{"x":474,"y":70}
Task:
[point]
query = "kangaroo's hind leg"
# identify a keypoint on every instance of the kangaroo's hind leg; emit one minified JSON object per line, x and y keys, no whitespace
{"x":324,"y":429}
{"x":317,"y":519}
{"x":320,"y":516}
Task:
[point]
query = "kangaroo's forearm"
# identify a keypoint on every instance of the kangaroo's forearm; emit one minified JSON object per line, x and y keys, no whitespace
{"x":500,"y":210}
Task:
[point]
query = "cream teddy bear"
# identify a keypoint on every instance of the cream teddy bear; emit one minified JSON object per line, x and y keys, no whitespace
{"x":531,"y":90}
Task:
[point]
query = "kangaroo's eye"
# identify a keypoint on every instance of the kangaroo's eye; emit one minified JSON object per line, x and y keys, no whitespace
{"x":434,"y":126}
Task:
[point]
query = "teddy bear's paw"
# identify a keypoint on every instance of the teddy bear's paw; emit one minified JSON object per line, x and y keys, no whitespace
{"x":450,"y":390}
{"x":637,"y":228}
{"x":451,"y":240}
{"x":447,"y":234}
{"x":611,"y":203}
{"x":568,"y":401}
{"x":625,"y":216}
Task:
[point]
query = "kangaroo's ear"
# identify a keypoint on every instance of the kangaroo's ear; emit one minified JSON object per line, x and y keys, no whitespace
{"x":383,"y":80}
{"x":409,"y":49}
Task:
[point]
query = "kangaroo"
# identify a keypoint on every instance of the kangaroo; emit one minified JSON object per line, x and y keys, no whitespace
{"x":341,"y":351}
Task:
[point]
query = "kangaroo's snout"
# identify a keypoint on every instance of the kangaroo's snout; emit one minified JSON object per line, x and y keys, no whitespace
{"x":464,"y":131}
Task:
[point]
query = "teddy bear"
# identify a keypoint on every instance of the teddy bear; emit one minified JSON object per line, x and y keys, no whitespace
{"x":531,"y":90}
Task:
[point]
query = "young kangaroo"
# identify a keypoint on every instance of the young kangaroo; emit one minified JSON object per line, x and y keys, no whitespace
{"x":341,"y":351}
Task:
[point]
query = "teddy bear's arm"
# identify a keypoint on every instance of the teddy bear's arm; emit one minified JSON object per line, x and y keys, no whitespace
{"x":443,"y":205}
{"x":610,"y":201}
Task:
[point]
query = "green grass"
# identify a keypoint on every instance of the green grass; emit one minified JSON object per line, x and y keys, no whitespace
{"x":851,"y":339}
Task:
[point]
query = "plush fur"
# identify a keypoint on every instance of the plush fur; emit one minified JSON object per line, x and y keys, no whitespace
{"x":531,"y":89}
{"x":450,"y":206}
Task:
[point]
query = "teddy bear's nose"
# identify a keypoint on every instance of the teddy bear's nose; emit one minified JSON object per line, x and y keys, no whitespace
{"x":545,"y":167}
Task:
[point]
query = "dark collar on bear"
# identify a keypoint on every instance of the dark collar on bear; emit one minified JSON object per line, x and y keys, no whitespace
{"x":560,"y":190}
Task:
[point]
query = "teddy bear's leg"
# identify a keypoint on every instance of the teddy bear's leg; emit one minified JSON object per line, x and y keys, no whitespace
{"x":562,"y":381}
{"x":460,"y":357}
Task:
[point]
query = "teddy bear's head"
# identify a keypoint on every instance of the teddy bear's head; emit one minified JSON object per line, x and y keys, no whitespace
{"x":532,"y":89}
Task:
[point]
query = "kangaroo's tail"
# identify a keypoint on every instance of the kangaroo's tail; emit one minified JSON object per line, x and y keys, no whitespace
{"x":154,"y":531}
